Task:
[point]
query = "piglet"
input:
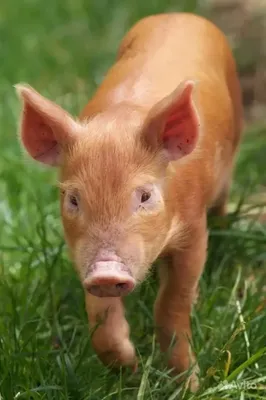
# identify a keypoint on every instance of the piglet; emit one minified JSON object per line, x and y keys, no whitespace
{"x":151,"y":153}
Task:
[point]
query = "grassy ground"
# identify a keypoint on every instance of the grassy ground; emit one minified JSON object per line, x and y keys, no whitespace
{"x":63,"y":48}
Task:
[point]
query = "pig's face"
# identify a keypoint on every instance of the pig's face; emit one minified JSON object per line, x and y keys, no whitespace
{"x":113,"y":205}
{"x":115,"y":202}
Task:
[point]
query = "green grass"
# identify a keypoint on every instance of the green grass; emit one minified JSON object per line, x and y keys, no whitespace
{"x":63,"y":49}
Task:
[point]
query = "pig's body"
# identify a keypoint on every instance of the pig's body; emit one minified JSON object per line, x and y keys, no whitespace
{"x":139,"y":171}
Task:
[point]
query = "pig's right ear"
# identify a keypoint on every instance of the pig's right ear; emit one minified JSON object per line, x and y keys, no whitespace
{"x":45,"y":128}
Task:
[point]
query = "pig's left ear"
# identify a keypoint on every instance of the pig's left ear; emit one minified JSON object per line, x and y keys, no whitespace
{"x":173,"y":124}
{"x":45,"y":128}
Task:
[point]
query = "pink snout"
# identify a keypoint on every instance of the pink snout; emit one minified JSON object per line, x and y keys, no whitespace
{"x":109,"y":279}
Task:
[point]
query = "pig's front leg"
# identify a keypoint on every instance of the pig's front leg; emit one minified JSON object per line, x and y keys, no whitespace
{"x":178,"y":286}
{"x":110,"y":331}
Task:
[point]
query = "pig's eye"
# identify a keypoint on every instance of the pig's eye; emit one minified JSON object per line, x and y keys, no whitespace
{"x":71,"y":202}
{"x":145,"y":197}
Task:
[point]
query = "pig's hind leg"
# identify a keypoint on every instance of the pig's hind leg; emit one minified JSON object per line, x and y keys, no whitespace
{"x":178,"y":287}
{"x":110,"y":331}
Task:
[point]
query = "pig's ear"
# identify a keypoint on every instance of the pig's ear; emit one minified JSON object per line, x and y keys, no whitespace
{"x":45,"y":128}
{"x":173,"y":124}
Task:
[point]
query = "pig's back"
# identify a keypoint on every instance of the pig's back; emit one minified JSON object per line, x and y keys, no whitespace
{"x":167,"y":48}
{"x":158,"y":53}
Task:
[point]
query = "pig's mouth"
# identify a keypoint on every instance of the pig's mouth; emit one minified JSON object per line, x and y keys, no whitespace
{"x":109,"y":279}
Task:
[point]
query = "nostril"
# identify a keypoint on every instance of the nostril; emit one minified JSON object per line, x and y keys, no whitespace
{"x":95,"y":290}
{"x":121,"y":286}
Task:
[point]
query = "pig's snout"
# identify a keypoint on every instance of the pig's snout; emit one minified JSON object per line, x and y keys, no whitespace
{"x":109,"y":279}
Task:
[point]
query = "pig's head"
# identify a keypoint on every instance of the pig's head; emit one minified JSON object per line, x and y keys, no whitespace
{"x":115,"y":202}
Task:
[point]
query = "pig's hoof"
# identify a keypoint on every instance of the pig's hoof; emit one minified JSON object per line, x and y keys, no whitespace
{"x":122,"y":355}
{"x":193,"y":380}
{"x":194,"y":383}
